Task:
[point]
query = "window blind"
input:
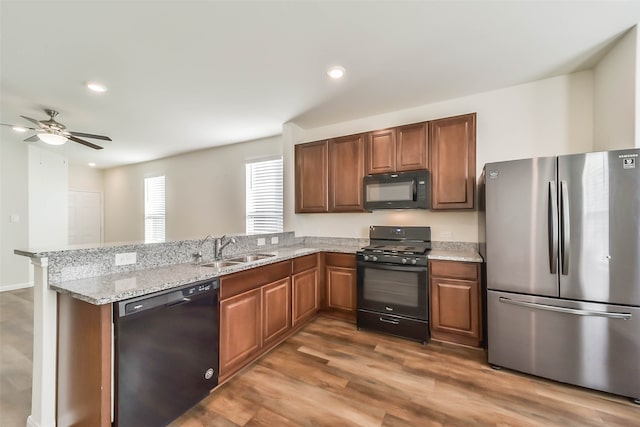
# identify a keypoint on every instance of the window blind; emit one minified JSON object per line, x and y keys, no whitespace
{"x":264,"y":196}
{"x":154,"y":209}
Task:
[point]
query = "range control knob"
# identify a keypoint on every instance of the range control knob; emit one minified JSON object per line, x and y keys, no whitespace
{"x":404,"y":260}
{"x":374,"y":258}
{"x":414,"y":261}
{"x":366,"y":257}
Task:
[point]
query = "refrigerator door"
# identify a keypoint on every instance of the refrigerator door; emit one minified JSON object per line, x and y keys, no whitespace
{"x":521,"y":226}
{"x":599,"y":200}
{"x":586,"y":344}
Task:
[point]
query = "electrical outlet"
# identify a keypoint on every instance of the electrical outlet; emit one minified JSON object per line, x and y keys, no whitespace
{"x":274,"y":240}
{"x":261,"y":241}
{"x":126,"y":258}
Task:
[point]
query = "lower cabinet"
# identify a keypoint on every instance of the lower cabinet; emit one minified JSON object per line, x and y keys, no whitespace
{"x":276,"y":315}
{"x":240,"y":329}
{"x":456,"y":302}
{"x":340,"y":283}
{"x":304,"y":283}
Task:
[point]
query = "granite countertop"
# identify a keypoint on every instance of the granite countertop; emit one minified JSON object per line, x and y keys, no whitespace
{"x":109,"y":288}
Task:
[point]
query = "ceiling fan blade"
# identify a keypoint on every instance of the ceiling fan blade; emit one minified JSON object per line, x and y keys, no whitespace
{"x":33,"y":138}
{"x":18,"y":126}
{"x":89,"y":135}
{"x":34,"y":121}
{"x":83,"y":142}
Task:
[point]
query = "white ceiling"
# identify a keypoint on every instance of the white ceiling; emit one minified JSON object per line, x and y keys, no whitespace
{"x":186,"y":75}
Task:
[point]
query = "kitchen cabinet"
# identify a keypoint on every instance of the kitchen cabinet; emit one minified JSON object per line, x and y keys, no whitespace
{"x":340,"y":285}
{"x":329,"y":175}
{"x":456,"y":302}
{"x":346,"y":170}
{"x":452,"y":148}
{"x":305,"y":291}
{"x":254,"y":314}
{"x":312,"y":177}
{"x":398,"y":149}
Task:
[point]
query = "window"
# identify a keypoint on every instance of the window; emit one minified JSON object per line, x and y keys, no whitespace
{"x":154,"y":212}
{"x":264,"y":196}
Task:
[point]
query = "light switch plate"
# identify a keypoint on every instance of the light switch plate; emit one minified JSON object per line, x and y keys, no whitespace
{"x":126,"y":258}
{"x":274,"y":240}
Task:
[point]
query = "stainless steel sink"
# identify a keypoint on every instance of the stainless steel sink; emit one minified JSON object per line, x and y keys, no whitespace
{"x":221,"y":264}
{"x":252,"y":257}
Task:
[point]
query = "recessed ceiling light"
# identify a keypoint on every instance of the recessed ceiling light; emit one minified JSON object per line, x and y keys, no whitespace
{"x":19,"y":129}
{"x":336,"y":72}
{"x":93,"y":165}
{"x":96,"y":87}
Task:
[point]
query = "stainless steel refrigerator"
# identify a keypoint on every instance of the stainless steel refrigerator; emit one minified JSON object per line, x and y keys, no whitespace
{"x":561,"y":240}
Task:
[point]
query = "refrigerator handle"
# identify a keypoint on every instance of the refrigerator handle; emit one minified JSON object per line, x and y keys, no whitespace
{"x":566,"y":231}
{"x":553,"y":227}
{"x":576,"y":311}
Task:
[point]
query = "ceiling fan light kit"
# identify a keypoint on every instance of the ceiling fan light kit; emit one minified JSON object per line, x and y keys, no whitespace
{"x":52,"y":138}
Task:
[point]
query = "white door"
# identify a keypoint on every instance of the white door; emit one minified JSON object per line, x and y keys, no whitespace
{"x":85,"y":217}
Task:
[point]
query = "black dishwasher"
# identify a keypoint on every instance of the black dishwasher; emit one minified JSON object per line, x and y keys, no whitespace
{"x":166,"y":353}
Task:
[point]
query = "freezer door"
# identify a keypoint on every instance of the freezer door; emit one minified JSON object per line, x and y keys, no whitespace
{"x":521,"y":226}
{"x":600,"y":227}
{"x":586,"y":344}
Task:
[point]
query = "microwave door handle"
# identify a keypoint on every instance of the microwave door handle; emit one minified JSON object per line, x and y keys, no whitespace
{"x":414,"y":190}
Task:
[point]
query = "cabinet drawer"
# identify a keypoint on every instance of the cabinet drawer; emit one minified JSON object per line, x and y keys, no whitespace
{"x":394,"y":325}
{"x":237,"y":283}
{"x":340,"y":260}
{"x":454,"y":269}
{"x":304,"y":263}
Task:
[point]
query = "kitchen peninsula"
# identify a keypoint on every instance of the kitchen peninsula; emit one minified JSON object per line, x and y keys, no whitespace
{"x":76,"y":287}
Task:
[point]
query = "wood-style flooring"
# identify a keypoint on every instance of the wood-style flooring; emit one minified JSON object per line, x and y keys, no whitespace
{"x":330,"y":374}
{"x":16,"y":355}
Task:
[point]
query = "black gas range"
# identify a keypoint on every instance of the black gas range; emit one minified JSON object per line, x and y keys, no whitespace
{"x":392,"y":288}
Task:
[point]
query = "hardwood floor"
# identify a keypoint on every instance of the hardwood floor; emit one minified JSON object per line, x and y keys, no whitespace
{"x":329,"y":374}
{"x":16,"y":353}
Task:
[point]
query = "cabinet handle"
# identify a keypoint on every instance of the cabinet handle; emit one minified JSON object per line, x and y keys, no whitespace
{"x":393,"y":322}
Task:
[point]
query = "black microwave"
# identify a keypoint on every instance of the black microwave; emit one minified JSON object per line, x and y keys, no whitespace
{"x":401,"y":190}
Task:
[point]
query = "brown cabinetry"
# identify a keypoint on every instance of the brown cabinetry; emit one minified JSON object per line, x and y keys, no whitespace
{"x":329,"y":175}
{"x":398,"y":149}
{"x":456,"y":302}
{"x":304,"y":283}
{"x":452,"y":147}
{"x":254,"y":314}
{"x":340,"y":281}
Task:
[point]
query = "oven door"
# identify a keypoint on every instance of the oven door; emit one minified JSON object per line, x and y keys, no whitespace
{"x":393,"y":289}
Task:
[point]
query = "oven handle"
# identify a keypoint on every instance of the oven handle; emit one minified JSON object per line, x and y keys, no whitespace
{"x":393,"y":322}
{"x":394,"y":267}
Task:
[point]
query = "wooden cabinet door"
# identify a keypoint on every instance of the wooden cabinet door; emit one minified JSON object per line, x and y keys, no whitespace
{"x":346,"y":171}
{"x":276,"y":311}
{"x":412,"y":150}
{"x":380,"y":152}
{"x":453,"y":162}
{"x":341,"y":288}
{"x":311,"y":180}
{"x":305,"y":295}
{"x":455,"y":302}
{"x":240,"y":329}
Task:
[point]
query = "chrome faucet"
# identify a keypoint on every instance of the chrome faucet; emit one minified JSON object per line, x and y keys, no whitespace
{"x":197,"y":255}
{"x":219,"y":244}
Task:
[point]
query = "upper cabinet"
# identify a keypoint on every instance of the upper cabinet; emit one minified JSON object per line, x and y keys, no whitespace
{"x":452,"y":147}
{"x":398,"y":149}
{"x":312,"y":177}
{"x":329,"y":175}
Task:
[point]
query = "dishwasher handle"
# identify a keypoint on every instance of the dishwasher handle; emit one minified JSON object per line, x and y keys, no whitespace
{"x":168,"y":298}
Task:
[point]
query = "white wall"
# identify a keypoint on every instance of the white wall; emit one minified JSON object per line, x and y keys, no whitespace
{"x":48,"y":198}
{"x":205,"y":192}
{"x":544,"y":118}
{"x":85,"y":178}
{"x":616,"y":95}
{"x":14,"y":270}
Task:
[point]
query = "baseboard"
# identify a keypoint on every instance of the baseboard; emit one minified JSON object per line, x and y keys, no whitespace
{"x":14,"y":286}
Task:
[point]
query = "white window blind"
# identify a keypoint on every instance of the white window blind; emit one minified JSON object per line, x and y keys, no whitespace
{"x":154,"y":209}
{"x":264,"y":196}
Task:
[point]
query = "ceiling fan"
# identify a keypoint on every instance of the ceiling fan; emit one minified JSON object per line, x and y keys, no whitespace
{"x":51,"y":132}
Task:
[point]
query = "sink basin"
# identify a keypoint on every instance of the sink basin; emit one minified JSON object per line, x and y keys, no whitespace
{"x":252,"y":257}
{"x":220,"y":264}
